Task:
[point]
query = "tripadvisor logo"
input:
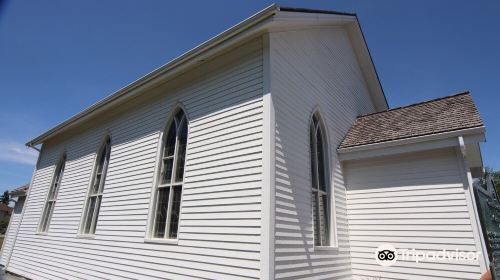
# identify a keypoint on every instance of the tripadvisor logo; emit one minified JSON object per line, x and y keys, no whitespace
{"x":387,"y":255}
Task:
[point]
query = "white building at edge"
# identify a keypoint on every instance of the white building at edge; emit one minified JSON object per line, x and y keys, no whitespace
{"x":267,"y":152}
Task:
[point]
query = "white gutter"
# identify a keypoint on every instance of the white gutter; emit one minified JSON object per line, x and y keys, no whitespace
{"x":131,"y":90}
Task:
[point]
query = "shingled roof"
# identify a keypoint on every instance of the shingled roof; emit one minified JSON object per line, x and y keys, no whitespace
{"x":434,"y":116}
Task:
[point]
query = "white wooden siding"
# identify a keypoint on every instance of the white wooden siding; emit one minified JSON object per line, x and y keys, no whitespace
{"x":313,"y":68}
{"x":220,"y":218}
{"x":416,"y":201}
{"x":10,"y":234}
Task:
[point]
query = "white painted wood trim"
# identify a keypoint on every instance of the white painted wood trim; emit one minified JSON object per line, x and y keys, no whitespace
{"x":268,"y":169}
{"x":471,"y":204}
{"x":414,"y":144}
{"x":83,"y":216}
{"x":332,"y":219}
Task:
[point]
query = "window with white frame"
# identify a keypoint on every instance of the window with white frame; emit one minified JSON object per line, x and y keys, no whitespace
{"x":94,"y":198}
{"x":169,"y":187}
{"x":320,"y":182}
{"x":52,"y":195}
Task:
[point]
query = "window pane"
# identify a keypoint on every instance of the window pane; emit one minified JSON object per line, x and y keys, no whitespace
{"x":315,"y":120}
{"x":179,"y":116}
{"x":181,"y":152}
{"x":175,"y":212}
{"x":167,"y":170}
{"x":89,"y":215}
{"x":95,"y":186}
{"x":53,"y":190}
{"x":161,"y":212}
{"x":102,"y":158}
{"x":312,"y":143}
{"x":96,"y":214}
{"x":323,"y":219}
{"x":52,"y":196}
{"x":170,"y":141}
{"x":60,"y":171}
{"x":48,"y":214}
{"x":321,"y":160}
{"x":316,"y":229}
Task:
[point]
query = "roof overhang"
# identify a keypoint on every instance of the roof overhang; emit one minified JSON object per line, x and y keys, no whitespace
{"x":272,"y":18}
{"x":471,"y":137}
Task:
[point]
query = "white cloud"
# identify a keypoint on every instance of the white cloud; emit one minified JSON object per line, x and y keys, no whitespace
{"x":12,"y":151}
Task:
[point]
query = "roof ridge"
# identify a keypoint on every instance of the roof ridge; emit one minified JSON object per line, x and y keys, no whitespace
{"x":315,"y":11}
{"x":416,"y":104}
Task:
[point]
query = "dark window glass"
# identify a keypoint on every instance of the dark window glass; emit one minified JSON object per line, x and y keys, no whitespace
{"x":168,"y":165}
{"x":323,"y":219}
{"x":90,"y":213}
{"x":181,"y":153}
{"x":52,"y":196}
{"x":169,"y":190}
{"x":161,"y":212}
{"x":175,"y":212}
{"x":170,"y":141}
{"x":320,"y":183}
{"x":321,"y":160}
{"x":95,"y":194}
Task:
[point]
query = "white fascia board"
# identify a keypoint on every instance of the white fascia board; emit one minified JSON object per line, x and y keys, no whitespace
{"x":414,"y":144}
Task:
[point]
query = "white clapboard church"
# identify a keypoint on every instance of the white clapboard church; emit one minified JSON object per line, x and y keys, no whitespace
{"x":267,"y":152}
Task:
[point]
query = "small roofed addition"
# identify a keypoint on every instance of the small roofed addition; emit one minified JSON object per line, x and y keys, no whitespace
{"x":435,"y":116}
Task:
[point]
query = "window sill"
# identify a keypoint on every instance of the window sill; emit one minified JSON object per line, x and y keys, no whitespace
{"x":161,"y":241}
{"x":326,"y":248}
{"x":85,"y":236}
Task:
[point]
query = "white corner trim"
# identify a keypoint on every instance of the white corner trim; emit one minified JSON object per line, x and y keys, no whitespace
{"x":268,"y":169}
{"x":471,"y":204}
{"x":414,"y":144}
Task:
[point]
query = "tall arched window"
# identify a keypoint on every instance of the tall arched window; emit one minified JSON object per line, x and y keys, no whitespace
{"x":52,"y":195}
{"x":169,"y":188}
{"x":94,"y":198}
{"x":320,"y":182}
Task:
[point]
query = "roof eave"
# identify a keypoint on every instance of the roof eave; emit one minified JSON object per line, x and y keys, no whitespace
{"x":479,"y":131}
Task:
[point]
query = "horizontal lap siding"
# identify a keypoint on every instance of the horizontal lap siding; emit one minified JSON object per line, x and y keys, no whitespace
{"x":220,"y":217}
{"x":9,"y":236}
{"x":411,"y":202}
{"x":311,"y":68}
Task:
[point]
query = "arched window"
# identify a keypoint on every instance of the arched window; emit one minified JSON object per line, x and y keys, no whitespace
{"x":52,"y":195}
{"x":169,"y":188}
{"x":320,"y":172}
{"x":94,"y":198}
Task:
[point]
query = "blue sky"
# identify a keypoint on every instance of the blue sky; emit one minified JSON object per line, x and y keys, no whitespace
{"x":58,"y":57}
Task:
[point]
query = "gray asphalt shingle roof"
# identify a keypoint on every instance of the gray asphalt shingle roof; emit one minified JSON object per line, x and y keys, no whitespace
{"x":434,"y":116}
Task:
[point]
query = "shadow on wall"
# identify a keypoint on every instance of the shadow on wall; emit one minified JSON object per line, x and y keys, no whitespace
{"x":222,"y":97}
{"x":290,"y":219}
